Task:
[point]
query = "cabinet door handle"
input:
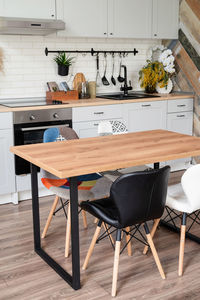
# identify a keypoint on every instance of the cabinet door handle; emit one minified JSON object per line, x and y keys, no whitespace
{"x":181,"y":105}
{"x":146,"y":105}
{"x":99,"y":113}
{"x":180,"y":116}
{"x":96,"y":124}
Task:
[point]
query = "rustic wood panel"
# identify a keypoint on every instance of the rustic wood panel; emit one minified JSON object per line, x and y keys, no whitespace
{"x":189,"y":49}
{"x":84,"y":156}
{"x":195,"y":6}
{"x":188,"y":67}
{"x":191,"y":21}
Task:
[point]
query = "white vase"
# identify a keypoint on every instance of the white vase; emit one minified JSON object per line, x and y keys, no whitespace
{"x":164,"y":90}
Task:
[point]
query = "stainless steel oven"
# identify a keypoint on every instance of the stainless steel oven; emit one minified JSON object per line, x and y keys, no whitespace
{"x":29,"y":127}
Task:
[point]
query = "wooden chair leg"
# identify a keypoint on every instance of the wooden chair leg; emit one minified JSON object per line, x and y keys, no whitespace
{"x":153,"y":230}
{"x":68,"y":231}
{"x":50,"y":216}
{"x":116,"y":263}
{"x":85,"y":225}
{"x":91,"y":248}
{"x":108,"y":233}
{"x":182,"y":245}
{"x":128,"y":237}
{"x":154,"y":252}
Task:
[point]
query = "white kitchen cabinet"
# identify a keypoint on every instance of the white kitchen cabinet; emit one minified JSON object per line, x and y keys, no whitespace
{"x":119,"y":18}
{"x":7,"y":172}
{"x":89,"y":129}
{"x":145,"y":115}
{"x":180,"y":122}
{"x":86,"y":18}
{"x":180,"y":119}
{"x":37,"y":9}
{"x":165,"y":19}
{"x":130,"y":18}
{"x":85,"y":120}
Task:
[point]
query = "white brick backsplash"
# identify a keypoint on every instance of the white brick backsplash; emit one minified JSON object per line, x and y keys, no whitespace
{"x":27,"y":69}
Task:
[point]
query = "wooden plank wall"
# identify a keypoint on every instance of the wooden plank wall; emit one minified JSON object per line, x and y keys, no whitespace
{"x":187,"y":53}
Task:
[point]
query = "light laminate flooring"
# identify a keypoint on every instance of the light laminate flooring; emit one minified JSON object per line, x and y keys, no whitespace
{"x":23,"y":275}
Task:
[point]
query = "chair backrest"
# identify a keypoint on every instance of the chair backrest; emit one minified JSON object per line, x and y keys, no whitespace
{"x":140,"y":196}
{"x":191,"y":185}
{"x":111,"y":127}
{"x":55,"y":134}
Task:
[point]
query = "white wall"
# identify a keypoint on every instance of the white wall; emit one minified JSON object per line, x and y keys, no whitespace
{"x":27,"y":69}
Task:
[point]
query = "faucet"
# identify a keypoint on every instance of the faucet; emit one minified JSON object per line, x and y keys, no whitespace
{"x":125,"y":88}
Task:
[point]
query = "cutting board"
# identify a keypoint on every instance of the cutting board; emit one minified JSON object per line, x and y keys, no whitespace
{"x":77,"y":82}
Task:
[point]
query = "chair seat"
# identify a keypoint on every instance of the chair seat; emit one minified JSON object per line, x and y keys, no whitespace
{"x":83,"y":195}
{"x":176,"y":199}
{"x":103,"y":209}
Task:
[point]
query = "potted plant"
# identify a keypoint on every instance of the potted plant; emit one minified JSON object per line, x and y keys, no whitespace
{"x":156,"y":74}
{"x":151,"y":74}
{"x":63,"y":62}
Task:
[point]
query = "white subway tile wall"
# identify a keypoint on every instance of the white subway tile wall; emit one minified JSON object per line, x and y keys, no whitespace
{"x":27,"y":69}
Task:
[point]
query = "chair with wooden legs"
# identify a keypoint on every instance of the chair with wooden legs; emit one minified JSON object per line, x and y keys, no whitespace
{"x":184,"y":198}
{"x":135,"y":198}
{"x":63,"y":194}
{"x":60,"y":187}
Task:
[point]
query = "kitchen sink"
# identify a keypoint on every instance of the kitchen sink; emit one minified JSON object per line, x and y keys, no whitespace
{"x":130,"y":96}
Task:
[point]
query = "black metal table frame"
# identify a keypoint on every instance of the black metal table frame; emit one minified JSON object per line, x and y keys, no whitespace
{"x":74,"y":279}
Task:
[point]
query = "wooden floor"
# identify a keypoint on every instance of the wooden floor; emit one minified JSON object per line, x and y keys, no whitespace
{"x":23,"y":275}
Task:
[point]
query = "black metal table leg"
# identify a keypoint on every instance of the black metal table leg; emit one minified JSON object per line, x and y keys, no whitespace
{"x":74,"y":279}
{"x":75,"y":233}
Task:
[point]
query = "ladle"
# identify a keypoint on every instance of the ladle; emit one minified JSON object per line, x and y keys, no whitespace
{"x":104,"y":79}
{"x":113,"y":68}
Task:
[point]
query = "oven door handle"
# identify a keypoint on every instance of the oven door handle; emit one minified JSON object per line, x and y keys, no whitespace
{"x":42,"y":127}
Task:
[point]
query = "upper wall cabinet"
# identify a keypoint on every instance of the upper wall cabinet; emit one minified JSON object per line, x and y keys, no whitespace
{"x":119,"y":18}
{"x":130,"y":18}
{"x":165,"y":19}
{"x":83,"y":18}
{"x":38,"y":9}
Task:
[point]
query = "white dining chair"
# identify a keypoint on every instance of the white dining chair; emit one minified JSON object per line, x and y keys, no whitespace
{"x":185,"y":198}
{"x":114,"y":127}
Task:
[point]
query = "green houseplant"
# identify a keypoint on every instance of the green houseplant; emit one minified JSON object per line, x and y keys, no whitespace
{"x":63,"y":62}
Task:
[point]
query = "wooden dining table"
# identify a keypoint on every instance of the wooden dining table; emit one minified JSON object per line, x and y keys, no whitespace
{"x":69,"y":159}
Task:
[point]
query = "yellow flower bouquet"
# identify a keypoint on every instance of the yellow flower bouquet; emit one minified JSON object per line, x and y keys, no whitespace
{"x":151,"y":74}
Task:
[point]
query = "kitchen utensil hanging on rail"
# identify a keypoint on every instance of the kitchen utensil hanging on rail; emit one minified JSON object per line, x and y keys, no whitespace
{"x":113,"y":68}
{"x":120,"y":78}
{"x":98,"y":77}
{"x":104,"y":79}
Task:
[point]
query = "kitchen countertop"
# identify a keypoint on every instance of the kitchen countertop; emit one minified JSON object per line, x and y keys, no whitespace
{"x":97,"y":101}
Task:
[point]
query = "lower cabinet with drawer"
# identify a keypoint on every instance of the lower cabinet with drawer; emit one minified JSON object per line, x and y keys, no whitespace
{"x":180,"y":119}
{"x":88,"y":129}
{"x":85,"y":120}
{"x":145,"y":115}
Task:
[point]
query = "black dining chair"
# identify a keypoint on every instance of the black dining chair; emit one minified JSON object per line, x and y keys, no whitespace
{"x":135,"y":198}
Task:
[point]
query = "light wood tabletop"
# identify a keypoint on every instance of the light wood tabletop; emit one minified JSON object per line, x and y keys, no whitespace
{"x":83,"y":156}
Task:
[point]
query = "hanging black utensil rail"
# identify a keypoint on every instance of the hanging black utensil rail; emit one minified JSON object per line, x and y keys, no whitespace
{"x":92,"y":51}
